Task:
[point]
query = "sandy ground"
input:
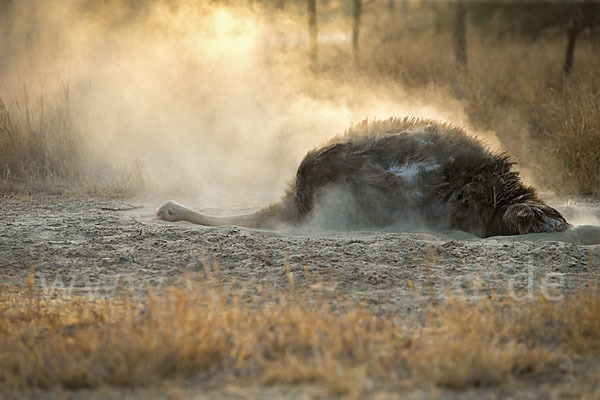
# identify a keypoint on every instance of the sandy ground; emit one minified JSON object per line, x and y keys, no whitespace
{"x":97,"y":246}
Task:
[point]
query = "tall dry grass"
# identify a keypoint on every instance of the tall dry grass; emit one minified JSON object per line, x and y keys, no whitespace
{"x":36,"y":141}
{"x":293,"y":337}
{"x":41,"y":148}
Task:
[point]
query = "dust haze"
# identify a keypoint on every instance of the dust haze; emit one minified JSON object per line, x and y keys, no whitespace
{"x":215,"y":102}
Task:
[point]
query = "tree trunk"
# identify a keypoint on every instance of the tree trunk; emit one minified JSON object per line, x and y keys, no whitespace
{"x":356,"y":12}
{"x":572,"y":37}
{"x":460,"y":33}
{"x":313,"y":33}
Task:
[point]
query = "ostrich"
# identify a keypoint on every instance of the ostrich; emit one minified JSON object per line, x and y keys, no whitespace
{"x":401,"y":171}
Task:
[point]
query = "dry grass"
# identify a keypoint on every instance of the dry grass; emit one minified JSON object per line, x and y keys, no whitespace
{"x":36,"y":142}
{"x":568,"y":125}
{"x":41,"y":150}
{"x":495,"y":341}
{"x":291,"y":338}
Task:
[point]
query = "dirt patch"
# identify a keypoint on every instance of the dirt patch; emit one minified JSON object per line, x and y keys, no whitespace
{"x":95,"y":244}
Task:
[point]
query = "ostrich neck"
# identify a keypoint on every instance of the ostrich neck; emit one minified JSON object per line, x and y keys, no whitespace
{"x":259,"y":219}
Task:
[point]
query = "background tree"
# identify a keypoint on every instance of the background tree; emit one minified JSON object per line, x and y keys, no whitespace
{"x":356,"y":13}
{"x":460,"y":32}
{"x":533,"y":19}
{"x":313,"y":33}
{"x":572,"y":36}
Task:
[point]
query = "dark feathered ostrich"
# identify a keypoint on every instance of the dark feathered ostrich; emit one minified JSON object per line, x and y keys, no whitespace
{"x":381,"y":173}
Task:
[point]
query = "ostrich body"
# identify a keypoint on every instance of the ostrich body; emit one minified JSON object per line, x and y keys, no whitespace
{"x":401,"y":171}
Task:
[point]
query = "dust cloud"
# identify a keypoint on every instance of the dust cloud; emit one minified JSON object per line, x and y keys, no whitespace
{"x":217,"y":102}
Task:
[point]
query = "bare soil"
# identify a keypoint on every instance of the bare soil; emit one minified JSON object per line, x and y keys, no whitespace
{"x":98,"y":247}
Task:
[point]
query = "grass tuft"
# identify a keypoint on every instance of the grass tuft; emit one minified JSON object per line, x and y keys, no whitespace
{"x":289,"y":338}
